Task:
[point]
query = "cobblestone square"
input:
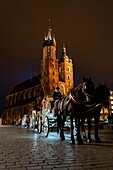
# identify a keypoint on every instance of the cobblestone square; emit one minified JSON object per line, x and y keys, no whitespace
{"x":24,"y":149}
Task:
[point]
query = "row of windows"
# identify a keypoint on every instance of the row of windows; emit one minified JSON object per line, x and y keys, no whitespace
{"x":61,"y":69}
{"x":13,"y":99}
{"x":62,"y":78}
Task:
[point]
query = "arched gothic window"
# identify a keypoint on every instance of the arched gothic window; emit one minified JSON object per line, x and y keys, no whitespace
{"x":68,"y":77}
{"x":68,"y":68}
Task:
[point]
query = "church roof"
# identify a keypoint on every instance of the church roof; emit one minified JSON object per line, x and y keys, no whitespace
{"x":26,"y":84}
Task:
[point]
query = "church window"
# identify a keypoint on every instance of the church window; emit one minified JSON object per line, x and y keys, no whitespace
{"x":68,"y":77}
{"x":52,"y":59}
{"x":29,"y":92}
{"x":52,"y":65}
{"x":53,"y":73}
{"x":60,"y":69}
{"x":53,"y":80}
{"x":68,"y":68}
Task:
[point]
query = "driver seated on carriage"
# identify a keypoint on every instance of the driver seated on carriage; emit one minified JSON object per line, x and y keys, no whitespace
{"x":56,"y":96}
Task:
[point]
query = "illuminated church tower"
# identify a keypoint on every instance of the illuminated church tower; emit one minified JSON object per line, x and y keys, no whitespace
{"x":55,"y":72}
{"x":66,"y":80}
{"x":49,"y":64}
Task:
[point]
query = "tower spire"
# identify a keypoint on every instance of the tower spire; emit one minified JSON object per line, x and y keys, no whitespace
{"x":63,"y":50}
{"x":49,"y":36}
{"x":49,"y":23}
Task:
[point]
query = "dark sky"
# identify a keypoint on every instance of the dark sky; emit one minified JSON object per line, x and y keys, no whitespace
{"x":85,"y":26}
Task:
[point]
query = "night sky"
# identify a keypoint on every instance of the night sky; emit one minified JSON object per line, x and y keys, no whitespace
{"x":85,"y":26}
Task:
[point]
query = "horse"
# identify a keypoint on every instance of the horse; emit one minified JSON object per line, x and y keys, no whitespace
{"x":100,"y":99}
{"x":71,"y":106}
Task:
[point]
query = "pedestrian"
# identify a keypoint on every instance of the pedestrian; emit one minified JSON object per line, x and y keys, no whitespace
{"x":28,"y":121}
{"x":44,"y":103}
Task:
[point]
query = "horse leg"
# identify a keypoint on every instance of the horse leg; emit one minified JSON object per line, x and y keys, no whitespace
{"x":72,"y":130}
{"x":89,"y":130}
{"x":83,"y":129}
{"x":58,"y":123}
{"x":77,"y":125}
{"x":62,"y":120}
{"x":96,"y":131}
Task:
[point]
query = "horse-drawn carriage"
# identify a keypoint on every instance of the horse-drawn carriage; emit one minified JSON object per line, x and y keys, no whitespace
{"x":83,"y":102}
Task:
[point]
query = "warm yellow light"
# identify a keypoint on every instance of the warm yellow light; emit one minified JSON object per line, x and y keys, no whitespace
{"x":111,"y":97}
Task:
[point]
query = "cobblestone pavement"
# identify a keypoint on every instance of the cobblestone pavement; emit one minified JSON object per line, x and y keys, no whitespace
{"x":24,"y":149}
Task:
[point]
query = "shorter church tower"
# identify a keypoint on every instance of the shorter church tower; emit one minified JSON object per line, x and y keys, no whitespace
{"x":66,"y":81}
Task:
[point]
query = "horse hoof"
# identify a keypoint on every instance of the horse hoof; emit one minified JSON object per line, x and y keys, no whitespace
{"x":62,"y":138}
{"x":89,"y":140}
{"x":72,"y":142}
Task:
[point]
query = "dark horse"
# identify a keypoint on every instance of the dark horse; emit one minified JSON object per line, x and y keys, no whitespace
{"x":71,"y":105}
{"x":100,"y":99}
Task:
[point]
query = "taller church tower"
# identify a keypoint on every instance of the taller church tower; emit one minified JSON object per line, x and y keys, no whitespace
{"x":49,"y":64}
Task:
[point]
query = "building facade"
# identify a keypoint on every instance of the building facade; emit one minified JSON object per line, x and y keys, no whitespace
{"x":27,"y":96}
{"x":111,"y":103}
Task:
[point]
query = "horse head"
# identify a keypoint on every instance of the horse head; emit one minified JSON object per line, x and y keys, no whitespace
{"x":102,"y":94}
{"x":88,"y":86}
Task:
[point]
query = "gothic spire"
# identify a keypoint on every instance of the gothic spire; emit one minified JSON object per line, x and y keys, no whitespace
{"x":49,"y":37}
{"x":63,"y":50}
{"x":49,"y":33}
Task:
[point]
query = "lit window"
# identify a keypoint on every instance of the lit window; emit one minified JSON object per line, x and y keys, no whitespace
{"x":60,"y":69}
{"x":52,"y":59}
{"x":111,"y":97}
{"x":111,"y":102}
{"x":111,"y":92}
{"x":52,"y":65}
{"x":68,"y":69}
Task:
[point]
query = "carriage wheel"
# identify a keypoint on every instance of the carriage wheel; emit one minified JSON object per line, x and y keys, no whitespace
{"x":39,"y":124}
{"x":46,"y":126}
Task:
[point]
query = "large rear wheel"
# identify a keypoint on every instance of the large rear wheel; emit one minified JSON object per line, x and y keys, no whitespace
{"x":46,"y":126}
